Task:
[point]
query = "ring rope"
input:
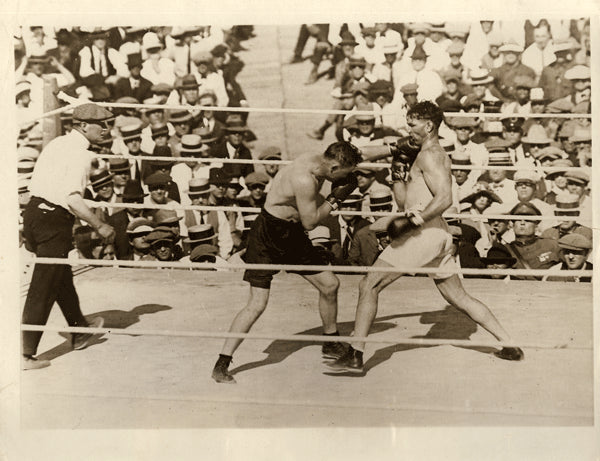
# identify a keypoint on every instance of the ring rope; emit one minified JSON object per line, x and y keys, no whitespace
{"x":308,"y":338}
{"x":309,"y":268}
{"x":74,"y":102}
{"x":240,"y":209}
{"x":362,"y":164}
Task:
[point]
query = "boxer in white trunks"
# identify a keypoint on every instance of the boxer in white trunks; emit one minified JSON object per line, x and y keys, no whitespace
{"x":422,"y":187}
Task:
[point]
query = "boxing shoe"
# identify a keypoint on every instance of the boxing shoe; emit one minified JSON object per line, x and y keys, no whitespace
{"x":29,"y":362}
{"x":82,"y":340}
{"x":221,"y":373}
{"x":351,"y":361}
{"x":510,"y":353}
{"x":334,"y":350}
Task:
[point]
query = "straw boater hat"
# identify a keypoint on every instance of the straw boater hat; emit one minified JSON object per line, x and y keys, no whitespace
{"x":321,"y":235}
{"x":479,"y":77}
{"x":192,"y":144}
{"x":131,"y":132}
{"x":200,"y":233}
{"x":380,"y":199}
{"x":180,"y":116}
{"x":353,"y":201}
{"x":100,"y":178}
{"x":567,"y":204}
{"x":198,"y":187}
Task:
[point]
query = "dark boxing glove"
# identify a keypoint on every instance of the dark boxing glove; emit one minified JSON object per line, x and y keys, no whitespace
{"x":341,"y":189}
{"x":399,"y":226}
{"x":404,"y":152}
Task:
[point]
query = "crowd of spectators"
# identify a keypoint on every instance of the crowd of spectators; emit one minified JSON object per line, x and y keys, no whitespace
{"x":511,"y":69}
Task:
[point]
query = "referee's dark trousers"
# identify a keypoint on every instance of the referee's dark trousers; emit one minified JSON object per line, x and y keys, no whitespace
{"x":48,"y":232}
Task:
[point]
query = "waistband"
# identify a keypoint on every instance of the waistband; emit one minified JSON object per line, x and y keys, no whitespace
{"x":49,"y":206}
{"x":270,"y":217}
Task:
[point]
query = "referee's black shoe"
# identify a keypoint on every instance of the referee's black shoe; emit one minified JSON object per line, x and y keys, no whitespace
{"x":334,"y":350}
{"x":351,"y":361}
{"x":510,"y":353}
{"x":82,"y":340}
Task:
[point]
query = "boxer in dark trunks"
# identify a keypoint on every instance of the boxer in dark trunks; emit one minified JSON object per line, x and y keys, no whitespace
{"x":277,"y":236}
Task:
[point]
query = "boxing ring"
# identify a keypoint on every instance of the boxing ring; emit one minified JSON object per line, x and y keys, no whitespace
{"x":426,"y":363}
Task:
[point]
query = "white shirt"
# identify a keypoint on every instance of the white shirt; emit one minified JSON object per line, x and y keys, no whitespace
{"x":504,"y":189}
{"x":430,"y":83}
{"x":537,"y":59}
{"x":163,"y":72}
{"x":95,"y":55}
{"x":62,"y":169}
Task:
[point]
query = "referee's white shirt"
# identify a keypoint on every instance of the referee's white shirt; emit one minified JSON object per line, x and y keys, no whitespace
{"x":62,"y":169}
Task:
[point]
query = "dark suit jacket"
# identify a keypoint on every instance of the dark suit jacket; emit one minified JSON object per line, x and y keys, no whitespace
{"x":234,"y":170}
{"x":364,"y":249}
{"x":119,"y":222}
{"x":123,"y":88}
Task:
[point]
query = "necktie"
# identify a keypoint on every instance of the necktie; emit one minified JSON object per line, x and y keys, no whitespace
{"x":202,"y":220}
{"x":346,"y":244}
{"x":189,"y":59}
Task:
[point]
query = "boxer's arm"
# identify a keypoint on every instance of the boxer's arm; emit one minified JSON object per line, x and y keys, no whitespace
{"x":311,"y":208}
{"x":436,"y":172}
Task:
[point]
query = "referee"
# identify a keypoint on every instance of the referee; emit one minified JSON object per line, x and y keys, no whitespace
{"x":56,"y":188}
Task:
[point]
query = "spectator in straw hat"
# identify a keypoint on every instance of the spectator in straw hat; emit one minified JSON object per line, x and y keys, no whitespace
{"x":202,"y":244}
{"x":552,"y":79}
{"x":137,"y":231}
{"x":131,"y":135}
{"x":120,"y":219}
{"x":328,"y":247}
{"x":530,"y":250}
{"x":367,"y":244}
{"x":121,"y":171}
{"x":182,"y":123}
{"x":479,"y":82}
{"x":499,"y":183}
{"x":574,"y":251}
{"x":567,"y":210}
{"x":368,"y":183}
{"x":135,"y":85}
{"x":101,"y":183}
{"x":464,"y":179}
{"x":556,"y":183}
{"x":578,"y":101}
{"x":390,"y":67}
{"x":192,"y":147}
{"x":504,"y":84}
{"x":367,"y":48}
{"x":233,"y":147}
{"x":199,"y":193}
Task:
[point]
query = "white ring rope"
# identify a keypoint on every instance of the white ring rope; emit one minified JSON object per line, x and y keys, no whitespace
{"x":309,"y":338}
{"x":240,"y":209}
{"x":310,"y":268}
{"x":381,"y":165}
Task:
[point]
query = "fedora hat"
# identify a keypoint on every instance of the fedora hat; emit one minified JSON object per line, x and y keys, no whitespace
{"x":160,"y":129}
{"x":163,"y":216}
{"x":139,"y":226}
{"x":563,"y":162}
{"x":235,"y":124}
{"x":270,"y":152}
{"x":204,"y":253}
{"x":200,"y":233}
{"x":206,"y":135}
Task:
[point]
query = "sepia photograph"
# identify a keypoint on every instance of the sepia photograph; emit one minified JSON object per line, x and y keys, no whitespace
{"x":311,"y":236}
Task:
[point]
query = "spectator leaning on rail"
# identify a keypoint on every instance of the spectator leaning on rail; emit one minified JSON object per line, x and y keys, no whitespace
{"x":56,"y":190}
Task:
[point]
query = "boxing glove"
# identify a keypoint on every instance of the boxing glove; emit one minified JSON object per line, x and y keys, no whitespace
{"x":399,"y":226}
{"x":404,"y":151}
{"x":341,"y":189}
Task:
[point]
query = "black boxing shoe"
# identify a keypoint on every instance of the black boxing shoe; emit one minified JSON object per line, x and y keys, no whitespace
{"x":221,"y":373}
{"x":510,"y":353}
{"x":334,"y":350}
{"x":351,"y":361}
